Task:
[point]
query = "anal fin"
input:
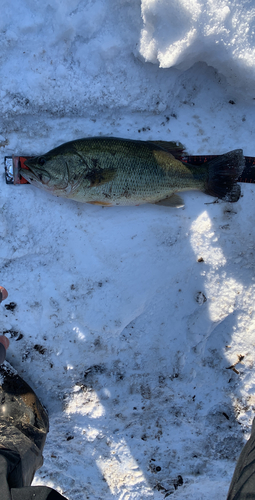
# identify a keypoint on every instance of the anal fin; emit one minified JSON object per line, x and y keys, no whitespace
{"x":174,"y":201}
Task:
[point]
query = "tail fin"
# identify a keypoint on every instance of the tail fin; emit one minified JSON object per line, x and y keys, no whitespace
{"x":223,"y":174}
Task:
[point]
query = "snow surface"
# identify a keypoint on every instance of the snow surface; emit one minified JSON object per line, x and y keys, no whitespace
{"x":126,"y":320}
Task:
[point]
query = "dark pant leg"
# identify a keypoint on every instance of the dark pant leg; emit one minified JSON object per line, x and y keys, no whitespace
{"x":5,"y":468}
{"x":242,"y":486}
{"x":35,"y":493}
{"x":11,"y":475}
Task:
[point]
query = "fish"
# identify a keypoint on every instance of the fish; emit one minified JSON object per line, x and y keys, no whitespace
{"x":111,"y":171}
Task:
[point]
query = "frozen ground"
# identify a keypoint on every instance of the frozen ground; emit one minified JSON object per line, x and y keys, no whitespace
{"x":126,"y":320}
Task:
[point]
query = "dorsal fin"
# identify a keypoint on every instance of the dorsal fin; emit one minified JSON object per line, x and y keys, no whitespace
{"x":175,"y":148}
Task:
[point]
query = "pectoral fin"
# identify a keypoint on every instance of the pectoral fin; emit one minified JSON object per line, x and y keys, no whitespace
{"x":174,"y":201}
{"x":100,"y":176}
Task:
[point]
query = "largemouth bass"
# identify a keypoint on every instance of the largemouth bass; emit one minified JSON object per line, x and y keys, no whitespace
{"x":112,"y":171}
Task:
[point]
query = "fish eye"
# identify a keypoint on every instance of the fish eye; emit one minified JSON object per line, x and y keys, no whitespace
{"x":41,"y":161}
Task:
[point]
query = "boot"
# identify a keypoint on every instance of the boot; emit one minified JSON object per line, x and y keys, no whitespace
{"x":23,"y":428}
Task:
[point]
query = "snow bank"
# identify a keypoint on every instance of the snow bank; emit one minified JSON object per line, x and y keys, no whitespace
{"x":220,"y":33}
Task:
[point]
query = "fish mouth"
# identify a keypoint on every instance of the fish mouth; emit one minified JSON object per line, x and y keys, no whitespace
{"x":41,"y":178}
{"x":33,"y":177}
{"x":28,"y":174}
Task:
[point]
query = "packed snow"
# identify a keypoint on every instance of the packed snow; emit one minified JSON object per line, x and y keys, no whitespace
{"x":134,"y":325}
